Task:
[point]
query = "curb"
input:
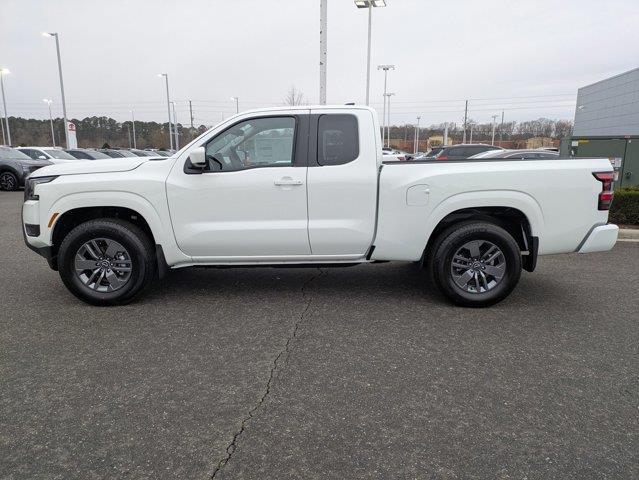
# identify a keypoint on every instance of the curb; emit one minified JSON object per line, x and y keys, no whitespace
{"x":628,"y":235}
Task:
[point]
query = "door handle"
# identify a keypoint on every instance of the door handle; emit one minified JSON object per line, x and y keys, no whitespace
{"x":287,"y":182}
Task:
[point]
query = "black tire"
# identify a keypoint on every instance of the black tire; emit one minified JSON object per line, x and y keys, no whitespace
{"x":8,"y":181}
{"x":448,"y":243}
{"x":138,"y":246}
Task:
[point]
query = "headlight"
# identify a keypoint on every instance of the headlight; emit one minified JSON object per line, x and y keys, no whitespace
{"x":30,"y":184}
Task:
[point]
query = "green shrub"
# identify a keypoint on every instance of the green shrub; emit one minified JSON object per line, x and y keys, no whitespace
{"x":625,"y":206}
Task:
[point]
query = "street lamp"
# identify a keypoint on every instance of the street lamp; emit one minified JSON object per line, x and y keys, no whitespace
{"x":64,"y":104}
{"x":237,"y":104}
{"x":168,"y":106}
{"x":386,"y":68}
{"x":175,"y":128}
{"x":388,"y":95}
{"x":416,"y":149}
{"x":3,"y":72}
{"x":369,"y":4}
{"x":48,"y":102}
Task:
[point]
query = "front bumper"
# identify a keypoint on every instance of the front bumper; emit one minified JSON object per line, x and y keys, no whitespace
{"x":30,"y":215}
{"x":600,"y":239}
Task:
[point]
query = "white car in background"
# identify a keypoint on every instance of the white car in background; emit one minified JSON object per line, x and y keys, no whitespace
{"x":390,"y":154}
{"x":53,"y":154}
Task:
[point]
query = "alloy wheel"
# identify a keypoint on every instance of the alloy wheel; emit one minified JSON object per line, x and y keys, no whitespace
{"x":478,"y":266}
{"x":7,"y":181}
{"x":103,"y":265}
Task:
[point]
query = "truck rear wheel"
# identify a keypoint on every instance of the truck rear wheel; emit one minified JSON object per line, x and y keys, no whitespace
{"x":475,"y":264}
{"x":106,"y":261}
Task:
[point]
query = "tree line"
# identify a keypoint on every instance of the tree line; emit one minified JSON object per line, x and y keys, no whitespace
{"x":482,"y":132}
{"x":95,"y":132}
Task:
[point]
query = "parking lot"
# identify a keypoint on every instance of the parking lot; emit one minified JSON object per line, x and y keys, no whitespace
{"x":361,"y":372}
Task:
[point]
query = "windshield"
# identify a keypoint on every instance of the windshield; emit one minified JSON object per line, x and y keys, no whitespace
{"x":7,"y":153}
{"x":60,"y":154}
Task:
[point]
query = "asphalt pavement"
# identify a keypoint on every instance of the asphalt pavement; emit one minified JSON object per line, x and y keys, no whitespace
{"x":354,"y":373}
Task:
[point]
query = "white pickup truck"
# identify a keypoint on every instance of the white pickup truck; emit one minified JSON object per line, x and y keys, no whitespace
{"x":308,"y":186}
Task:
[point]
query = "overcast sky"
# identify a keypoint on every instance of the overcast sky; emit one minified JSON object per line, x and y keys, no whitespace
{"x":527,"y":57}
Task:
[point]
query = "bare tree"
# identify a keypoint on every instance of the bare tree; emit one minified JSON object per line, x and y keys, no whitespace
{"x":294,"y":97}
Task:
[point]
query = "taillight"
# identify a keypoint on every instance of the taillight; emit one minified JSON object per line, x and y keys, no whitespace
{"x":606,"y":195}
{"x":401,"y":158}
{"x":442,"y":157}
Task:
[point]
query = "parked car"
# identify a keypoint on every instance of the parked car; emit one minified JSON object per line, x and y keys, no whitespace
{"x":519,"y":154}
{"x":15,"y":167}
{"x":87,"y":154}
{"x":429,"y":155}
{"x":463,"y":151}
{"x":161,"y":153}
{"x":112,"y":152}
{"x":143,"y":153}
{"x":393,"y":154}
{"x":255,"y":192}
{"x":53,"y":154}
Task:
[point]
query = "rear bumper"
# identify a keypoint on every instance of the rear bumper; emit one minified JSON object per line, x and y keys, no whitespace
{"x":600,"y":239}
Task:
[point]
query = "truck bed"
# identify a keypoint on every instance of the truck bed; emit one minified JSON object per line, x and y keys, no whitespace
{"x":559,"y":197}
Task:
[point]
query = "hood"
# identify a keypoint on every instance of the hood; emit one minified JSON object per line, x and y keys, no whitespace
{"x":34,"y":163}
{"x":79,"y":167}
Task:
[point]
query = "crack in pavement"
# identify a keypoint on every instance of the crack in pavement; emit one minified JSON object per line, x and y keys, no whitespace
{"x":230,"y":449}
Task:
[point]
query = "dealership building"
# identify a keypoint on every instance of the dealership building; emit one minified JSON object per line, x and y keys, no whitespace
{"x":607,"y":124}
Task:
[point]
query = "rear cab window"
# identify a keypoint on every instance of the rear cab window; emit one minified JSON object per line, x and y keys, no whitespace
{"x":337,"y":139}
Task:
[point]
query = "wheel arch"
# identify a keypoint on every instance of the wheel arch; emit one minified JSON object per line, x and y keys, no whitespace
{"x":75,"y":209}
{"x":512,"y":219}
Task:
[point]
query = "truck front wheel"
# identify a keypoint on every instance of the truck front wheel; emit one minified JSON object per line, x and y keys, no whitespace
{"x":475,"y":264}
{"x":106,"y":261}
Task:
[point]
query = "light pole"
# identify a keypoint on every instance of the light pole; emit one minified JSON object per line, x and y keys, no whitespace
{"x":386,"y":68}
{"x":388,"y":95}
{"x":237,"y":104}
{"x":369,"y":4}
{"x":3,"y":72}
{"x":48,"y":102}
{"x":323,"y":48}
{"x":168,"y":106}
{"x":417,"y":135}
{"x":175,"y":129}
{"x":64,"y":103}
{"x":135,"y":145}
{"x":492,"y":141}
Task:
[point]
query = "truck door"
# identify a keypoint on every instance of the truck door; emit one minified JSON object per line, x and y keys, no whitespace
{"x":250,"y":199}
{"x":342,"y":181}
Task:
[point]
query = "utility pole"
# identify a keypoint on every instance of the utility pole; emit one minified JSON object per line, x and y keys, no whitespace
{"x":135,"y":144}
{"x":48,"y":102}
{"x":386,"y":68}
{"x":191,"y":112}
{"x":416,"y":147}
{"x":175,"y":124}
{"x":168,"y":106}
{"x":501,"y":128}
{"x":323,"y":49}
{"x":492,"y":141}
{"x":472,"y":125}
{"x":128,"y":129}
{"x":465,"y":120}
{"x":3,"y":72}
{"x":4,"y":139}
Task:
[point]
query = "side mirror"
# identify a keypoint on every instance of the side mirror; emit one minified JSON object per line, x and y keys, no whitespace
{"x":42,"y":157}
{"x":197,"y":157}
